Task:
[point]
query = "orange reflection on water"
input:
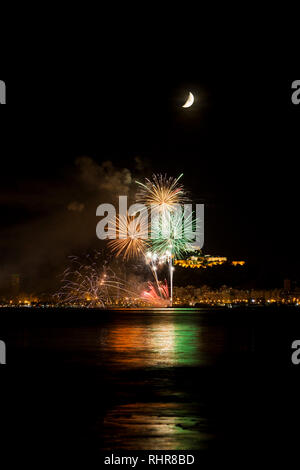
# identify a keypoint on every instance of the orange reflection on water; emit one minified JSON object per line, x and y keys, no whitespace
{"x":142,"y":346}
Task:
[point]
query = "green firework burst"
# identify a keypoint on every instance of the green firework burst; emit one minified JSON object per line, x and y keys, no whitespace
{"x":173,"y":233}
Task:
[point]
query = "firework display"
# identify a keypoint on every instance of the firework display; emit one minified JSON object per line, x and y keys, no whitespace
{"x":162,"y":193}
{"x":173,"y":233}
{"x":85,"y":283}
{"x":131,"y":238}
{"x":157,"y":295}
{"x":172,"y":229}
{"x":166,"y":237}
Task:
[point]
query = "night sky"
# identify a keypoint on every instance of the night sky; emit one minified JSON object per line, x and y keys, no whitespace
{"x":237,"y":147}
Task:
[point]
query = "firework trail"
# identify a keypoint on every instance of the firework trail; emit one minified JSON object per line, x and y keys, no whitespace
{"x":88,"y":284}
{"x":153,"y":260}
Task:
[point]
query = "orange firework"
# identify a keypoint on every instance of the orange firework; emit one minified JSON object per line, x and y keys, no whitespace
{"x":162,"y":193}
{"x":131,"y":241}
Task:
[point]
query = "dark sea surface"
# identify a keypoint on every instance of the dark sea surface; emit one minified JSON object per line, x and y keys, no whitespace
{"x":216,"y":381}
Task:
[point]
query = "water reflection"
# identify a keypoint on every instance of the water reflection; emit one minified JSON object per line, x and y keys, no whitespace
{"x":167,"y":341}
{"x":144,"y":376}
{"x":155,"y":426}
{"x":142,"y":346}
{"x":163,"y":343}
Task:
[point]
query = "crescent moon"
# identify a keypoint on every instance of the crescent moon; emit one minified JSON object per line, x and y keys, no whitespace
{"x":189,"y":101}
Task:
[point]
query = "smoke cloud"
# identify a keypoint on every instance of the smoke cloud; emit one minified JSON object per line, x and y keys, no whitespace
{"x":51,"y":220}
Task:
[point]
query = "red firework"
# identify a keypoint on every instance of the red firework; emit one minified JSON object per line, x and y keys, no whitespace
{"x":157,"y":295}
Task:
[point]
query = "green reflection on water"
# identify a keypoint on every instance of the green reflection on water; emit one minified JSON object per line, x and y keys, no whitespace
{"x":160,"y":342}
{"x":156,"y":344}
{"x":187,"y":343}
